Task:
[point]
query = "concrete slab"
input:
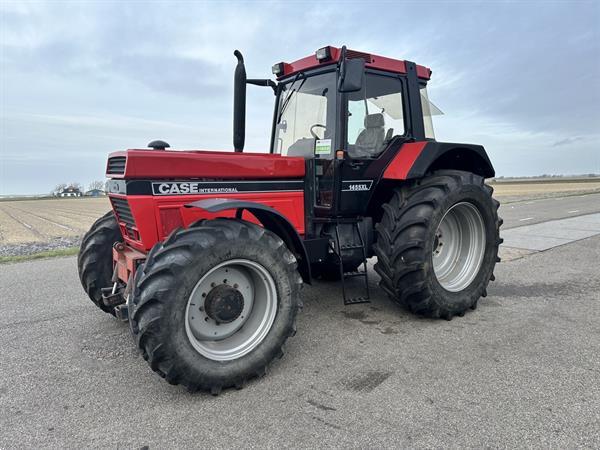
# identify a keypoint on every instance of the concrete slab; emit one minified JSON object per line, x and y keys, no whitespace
{"x":546,"y":235}
{"x":587,"y":222}
{"x":532,"y":242}
{"x":568,"y":234}
{"x":510,"y":253}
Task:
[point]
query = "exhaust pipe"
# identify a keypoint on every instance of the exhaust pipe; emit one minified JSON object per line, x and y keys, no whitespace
{"x":239,"y":104}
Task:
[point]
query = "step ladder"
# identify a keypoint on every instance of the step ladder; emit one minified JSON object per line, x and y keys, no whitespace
{"x":339,"y":252}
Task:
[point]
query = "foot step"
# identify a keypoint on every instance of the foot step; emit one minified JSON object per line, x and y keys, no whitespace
{"x":351,"y":247}
{"x":356,"y":300}
{"x":354,"y":274}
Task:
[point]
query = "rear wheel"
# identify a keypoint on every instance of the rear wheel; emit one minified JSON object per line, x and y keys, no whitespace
{"x":214,"y":304}
{"x":437,"y":243}
{"x":95,"y":260}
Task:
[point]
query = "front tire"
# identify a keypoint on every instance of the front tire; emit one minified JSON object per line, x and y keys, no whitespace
{"x":437,"y":244}
{"x":214,"y":304}
{"x":95,"y":258}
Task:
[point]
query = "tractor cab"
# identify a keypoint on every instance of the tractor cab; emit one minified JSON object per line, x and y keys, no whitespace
{"x":342,"y":106}
{"x":342,"y":110}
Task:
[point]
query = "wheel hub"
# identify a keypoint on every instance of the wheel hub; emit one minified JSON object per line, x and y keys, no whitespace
{"x":231,"y":309}
{"x":224,"y":304}
{"x":459,"y":247}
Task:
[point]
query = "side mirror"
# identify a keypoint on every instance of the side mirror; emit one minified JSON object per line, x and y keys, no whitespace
{"x":352,"y":72}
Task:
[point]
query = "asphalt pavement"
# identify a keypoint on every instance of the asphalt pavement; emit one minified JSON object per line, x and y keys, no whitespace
{"x":528,"y":212}
{"x":522,"y":370}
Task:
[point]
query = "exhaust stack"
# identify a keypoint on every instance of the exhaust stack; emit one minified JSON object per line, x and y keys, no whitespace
{"x":239,"y":104}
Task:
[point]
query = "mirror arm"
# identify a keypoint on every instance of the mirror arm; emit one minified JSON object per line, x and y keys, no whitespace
{"x":263,"y":82}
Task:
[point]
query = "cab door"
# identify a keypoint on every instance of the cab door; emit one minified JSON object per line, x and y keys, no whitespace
{"x":375,"y":123}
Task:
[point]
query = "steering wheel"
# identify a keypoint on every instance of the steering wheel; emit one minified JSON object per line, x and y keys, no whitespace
{"x":316,"y":125}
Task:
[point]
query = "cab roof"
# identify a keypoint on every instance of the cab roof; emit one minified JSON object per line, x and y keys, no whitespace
{"x":371,"y":61}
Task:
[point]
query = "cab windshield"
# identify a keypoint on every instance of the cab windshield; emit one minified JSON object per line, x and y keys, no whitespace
{"x":306,"y":116}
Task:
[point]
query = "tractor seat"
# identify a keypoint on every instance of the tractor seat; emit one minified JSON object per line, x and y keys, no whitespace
{"x":303,"y":147}
{"x":369,"y":142}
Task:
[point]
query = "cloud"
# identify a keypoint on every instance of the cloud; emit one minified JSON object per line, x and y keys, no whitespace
{"x":80,"y":79}
{"x":108,"y":121}
{"x":104,"y":46}
{"x":567,"y":141}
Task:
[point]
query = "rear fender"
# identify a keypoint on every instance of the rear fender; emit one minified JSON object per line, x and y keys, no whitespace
{"x":270,"y":219}
{"x":416,"y":159}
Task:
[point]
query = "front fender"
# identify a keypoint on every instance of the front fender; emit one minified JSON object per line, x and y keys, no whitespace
{"x":270,"y":219}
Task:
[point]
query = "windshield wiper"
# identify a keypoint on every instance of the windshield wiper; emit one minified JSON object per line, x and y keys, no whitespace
{"x":289,"y":96}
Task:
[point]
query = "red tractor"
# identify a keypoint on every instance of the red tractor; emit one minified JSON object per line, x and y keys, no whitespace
{"x":204,"y":253}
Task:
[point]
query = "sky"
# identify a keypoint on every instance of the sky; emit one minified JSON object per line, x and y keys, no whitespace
{"x":80,"y":79}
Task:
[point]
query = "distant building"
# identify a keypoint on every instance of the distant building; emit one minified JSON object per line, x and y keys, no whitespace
{"x":95,"y":193}
{"x":70,"y":191}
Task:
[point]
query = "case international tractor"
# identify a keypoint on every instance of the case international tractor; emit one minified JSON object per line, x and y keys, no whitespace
{"x":205,"y":252}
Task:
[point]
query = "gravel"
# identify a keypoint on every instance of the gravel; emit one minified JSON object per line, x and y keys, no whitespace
{"x":31,"y":248}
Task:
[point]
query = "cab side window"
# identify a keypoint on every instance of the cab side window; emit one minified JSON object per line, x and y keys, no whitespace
{"x":375,"y":116}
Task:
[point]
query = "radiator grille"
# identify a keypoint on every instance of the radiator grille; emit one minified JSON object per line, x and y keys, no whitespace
{"x":123,"y":211}
{"x":116,"y":165}
{"x":353,"y":54}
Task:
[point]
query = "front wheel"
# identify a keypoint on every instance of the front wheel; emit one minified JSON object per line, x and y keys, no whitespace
{"x":214,"y":304}
{"x":437,"y":243}
{"x":95,"y":258}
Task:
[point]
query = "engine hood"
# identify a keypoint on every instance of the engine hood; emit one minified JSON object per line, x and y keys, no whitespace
{"x":186,"y":164}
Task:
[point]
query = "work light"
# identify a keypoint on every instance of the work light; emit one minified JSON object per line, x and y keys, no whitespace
{"x":324,"y":54}
{"x":278,"y":69}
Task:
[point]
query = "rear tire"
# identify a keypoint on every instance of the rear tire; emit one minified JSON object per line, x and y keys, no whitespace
{"x":172,"y":315}
{"x":454,"y":208}
{"x":95,"y":259}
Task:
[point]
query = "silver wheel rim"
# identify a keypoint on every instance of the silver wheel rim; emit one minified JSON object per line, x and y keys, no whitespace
{"x":459,"y":246}
{"x":232,"y":340}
